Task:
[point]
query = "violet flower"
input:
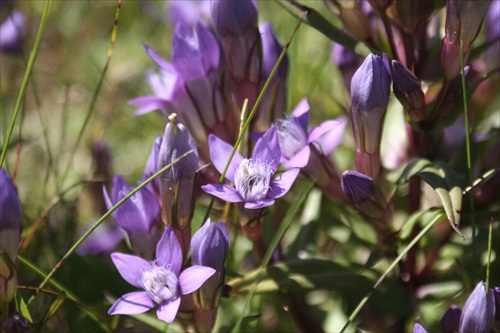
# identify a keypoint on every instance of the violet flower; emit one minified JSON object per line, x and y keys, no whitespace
{"x":10,"y":233}
{"x":251,"y":177}
{"x":295,"y":138}
{"x":370,"y":95}
{"x":162,"y":280}
{"x":419,"y":328}
{"x":11,"y":32}
{"x":451,"y":319}
{"x":138,"y":216}
{"x":478,"y":314}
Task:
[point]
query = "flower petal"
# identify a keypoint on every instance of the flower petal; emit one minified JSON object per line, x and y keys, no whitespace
{"x":223,"y":192}
{"x":168,"y":310}
{"x":267,"y":148}
{"x":281,"y":184}
{"x":328,"y":135}
{"x":168,"y":251}
{"x":130,"y":267}
{"x":160,"y":61}
{"x":132,"y":303}
{"x":300,"y":159}
{"x":259,"y":204}
{"x":301,"y":112}
{"x":193,"y":277}
{"x":220,"y":152}
{"x":147,"y":104}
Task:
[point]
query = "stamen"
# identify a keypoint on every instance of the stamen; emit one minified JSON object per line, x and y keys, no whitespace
{"x":159,"y":282}
{"x":252,"y":179}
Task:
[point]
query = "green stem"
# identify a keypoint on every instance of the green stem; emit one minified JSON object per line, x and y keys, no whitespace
{"x":489,"y":257}
{"x":27,"y":75}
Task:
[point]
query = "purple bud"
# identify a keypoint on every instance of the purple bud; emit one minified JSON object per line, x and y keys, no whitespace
{"x":364,"y":194}
{"x":463,"y":22}
{"x":11,"y":33}
{"x":479,"y":310}
{"x":419,"y":328}
{"x":451,"y":319}
{"x":210,"y":245}
{"x":10,"y":233}
{"x":370,"y":88}
{"x":17,"y":324}
{"x":209,"y":248}
{"x":152,"y":167}
{"x":138,"y":216}
{"x":407,"y":89}
{"x":236,"y":25}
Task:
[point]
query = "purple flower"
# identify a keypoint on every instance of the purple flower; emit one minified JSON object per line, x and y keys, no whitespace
{"x":251,"y":177}
{"x":295,"y":138}
{"x":10,"y":233}
{"x":162,"y":280}
{"x":138,"y":216}
{"x":478,"y":314}
{"x":11,"y":32}
{"x":102,"y":241}
{"x":188,"y":12}
{"x":451,"y":319}
{"x":419,"y":328}
{"x":370,"y":95}
{"x":210,"y":245}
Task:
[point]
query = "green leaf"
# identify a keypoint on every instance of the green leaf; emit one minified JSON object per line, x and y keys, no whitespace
{"x":318,"y":22}
{"x":24,"y":309}
{"x":443,"y":179}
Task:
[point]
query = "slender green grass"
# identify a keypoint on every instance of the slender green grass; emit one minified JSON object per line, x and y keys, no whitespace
{"x":27,"y":75}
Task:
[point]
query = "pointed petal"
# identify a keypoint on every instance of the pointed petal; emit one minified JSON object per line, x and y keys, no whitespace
{"x":281,"y":184}
{"x":220,"y":152}
{"x":223,"y":192}
{"x":160,"y":61}
{"x":328,"y":135}
{"x":132,"y":303}
{"x":301,"y":112}
{"x":168,"y":251}
{"x":193,"y":277}
{"x":147,"y":104}
{"x":300,"y":159}
{"x":168,"y":310}
{"x":130,"y":267}
{"x":259,"y":204}
{"x":267,"y":148}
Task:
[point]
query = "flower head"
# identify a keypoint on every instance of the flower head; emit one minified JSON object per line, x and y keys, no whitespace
{"x":252,"y":177}
{"x":162,"y":280}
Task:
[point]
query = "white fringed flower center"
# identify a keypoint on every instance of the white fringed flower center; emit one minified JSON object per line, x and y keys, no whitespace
{"x":291,"y":137}
{"x":160,"y":283}
{"x":252,"y":179}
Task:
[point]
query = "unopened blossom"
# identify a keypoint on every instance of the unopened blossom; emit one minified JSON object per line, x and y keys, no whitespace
{"x":138,"y":216}
{"x":295,"y":138}
{"x":407,"y":89}
{"x":162,"y":281}
{"x":370,"y":88}
{"x":252,"y":177}
{"x":209,"y":248}
{"x":463,"y":23}
{"x":451,"y":319}
{"x":10,"y":233}
{"x":177,"y":182}
{"x":478,"y":314}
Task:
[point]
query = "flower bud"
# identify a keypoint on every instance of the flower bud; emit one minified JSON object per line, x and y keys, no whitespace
{"x":463,"y":23}
{"x":365,"y":196}
{"x":236,"y":25}
{"x":407,"y":90}
{"x":370,"y":95}
{"x":177,"y":183}
{"x":10,"y":233}
{"x":138,"y":216}
{"x":451,"y":319}
{"x":479,"y":310}
{"x":12,"y":32}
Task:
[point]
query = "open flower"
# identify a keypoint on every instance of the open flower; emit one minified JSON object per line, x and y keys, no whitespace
{"x":161,"y":279}
{"x":251,"y":177}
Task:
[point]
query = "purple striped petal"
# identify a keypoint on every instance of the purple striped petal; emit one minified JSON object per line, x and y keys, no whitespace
{"x":168,"y":310}
{"x":220,"y":152}
{"x":130,"y":267}
{"x":168,"y":251}
{"x":281,"y":184}
{"x":193,"y":277}
{"x":132,"y":303}
{"x":223,"y":192}
{"x":267,"y":149}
